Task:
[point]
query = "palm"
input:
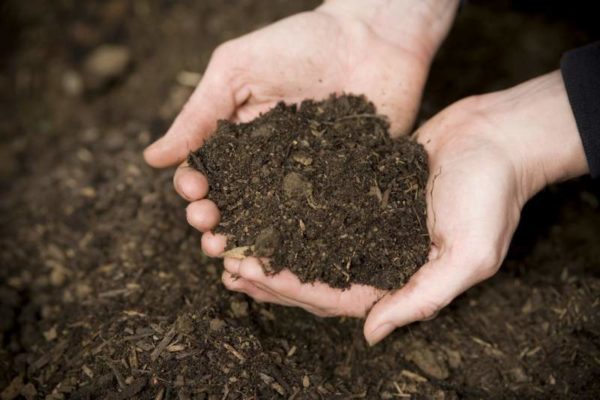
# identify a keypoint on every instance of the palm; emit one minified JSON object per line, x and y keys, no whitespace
{"x":290,"y":61}
{"x":473,"y":207}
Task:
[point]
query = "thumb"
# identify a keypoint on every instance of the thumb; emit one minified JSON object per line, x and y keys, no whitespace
{"x":212,"y":100}
{"x":429,"y":290}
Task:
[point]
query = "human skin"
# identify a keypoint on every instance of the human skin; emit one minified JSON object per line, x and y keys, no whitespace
{"x":487,"y":154}
{"x":383,"y":51}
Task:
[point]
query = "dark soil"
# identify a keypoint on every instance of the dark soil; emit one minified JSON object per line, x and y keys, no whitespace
{"x":323,"y":190}
{"x":104,"y":293}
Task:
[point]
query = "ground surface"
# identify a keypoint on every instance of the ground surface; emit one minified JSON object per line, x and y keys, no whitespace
{"x":104,"y":294}
{"x":323,"y":190}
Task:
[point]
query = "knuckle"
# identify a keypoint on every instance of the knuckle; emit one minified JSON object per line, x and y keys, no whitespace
{"x":428,"y":310}
{"x":227,"y":280}
{"x":486,"y":261}
{"x":221,"y":59}
{"x":227,"y":283}
{"x":223,"y":50}
{"x":232,"y":283}
{"x":189,"y":214}
{"x":227,"y":66}
{"x":480,"y":259}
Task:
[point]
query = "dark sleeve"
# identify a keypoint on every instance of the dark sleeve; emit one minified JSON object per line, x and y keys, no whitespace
{"x":581,"y":73}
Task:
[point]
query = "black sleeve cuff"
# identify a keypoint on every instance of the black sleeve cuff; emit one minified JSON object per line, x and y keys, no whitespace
{"x":581,"y":73}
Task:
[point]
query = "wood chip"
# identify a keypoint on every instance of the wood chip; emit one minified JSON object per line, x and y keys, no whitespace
{"x":129,"y":391}
{"x":238,"y":252}
{"x":306,"y":381}
{"x":118,"y":375}
{"x":88,"y":371}
{"x":233,"y":351}
{"x":375,"y":191}
{"x":29,"y":392}
{"x":133,"y":313}
{"x":386,"y":197}
{"x":413,"y":376}
{"x":161,"y":394}
{"x":278,"y":388}
{"x":163,"y":344}
{"x":175,"y":348}
{"x":51,"y":334}
{"x":292,"y":351}
{"x":13,"y":389}
{"x":133,"y":359}
{"x":113,"y":293}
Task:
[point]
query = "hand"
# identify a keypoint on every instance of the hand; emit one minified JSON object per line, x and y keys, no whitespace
{"x":487,"y":156}
{"x":383,"y":50}
{"x":247,"y":276}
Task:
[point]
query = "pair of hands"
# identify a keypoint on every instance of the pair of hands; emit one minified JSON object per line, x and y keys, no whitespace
{"x":487,"y":155}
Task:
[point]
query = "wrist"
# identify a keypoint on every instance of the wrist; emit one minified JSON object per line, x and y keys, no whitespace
{"x":419,"y":26}
{"x":537,"y":128}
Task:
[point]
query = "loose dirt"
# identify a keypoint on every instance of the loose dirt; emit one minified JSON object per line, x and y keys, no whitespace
{"x":103,"y":289}
{"x":322,"y":190}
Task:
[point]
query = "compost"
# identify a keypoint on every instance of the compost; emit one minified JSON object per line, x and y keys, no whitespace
{"x":104,"y":293}
{"x":323,"y":190}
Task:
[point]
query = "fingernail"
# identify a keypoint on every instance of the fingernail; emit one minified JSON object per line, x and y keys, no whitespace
{"x":379,"y":333}
{"x":184,"y":192}
{"x":179,"y":190}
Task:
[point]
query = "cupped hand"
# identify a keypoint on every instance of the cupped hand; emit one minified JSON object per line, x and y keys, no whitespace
{"x":487,"y":156}
{"x":383,"y":51}
{"x":247,"y":276}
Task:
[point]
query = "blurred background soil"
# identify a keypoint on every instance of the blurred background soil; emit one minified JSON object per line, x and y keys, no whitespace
{"x":104,"y":292}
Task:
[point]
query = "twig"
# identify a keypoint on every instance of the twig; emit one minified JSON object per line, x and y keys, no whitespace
{"x":233,"y":351}
{"x":237,"y":252}
{"x":117,"y":374}
{"x":163,"y":344}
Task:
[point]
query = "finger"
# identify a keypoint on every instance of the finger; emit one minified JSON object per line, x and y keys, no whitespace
{"x":203,"y":215}
{"x":213,"y":245}
{"x":232,"y":265}
{"x":232,"y":282}
{"x":279,"y":285}
{"x":315,"y":297}
{"x":237,"y":284}
{"x":290,"y":302}
{"x":189,"y":183}
{"x":213,"y":99}
{"x":433,"y":287}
